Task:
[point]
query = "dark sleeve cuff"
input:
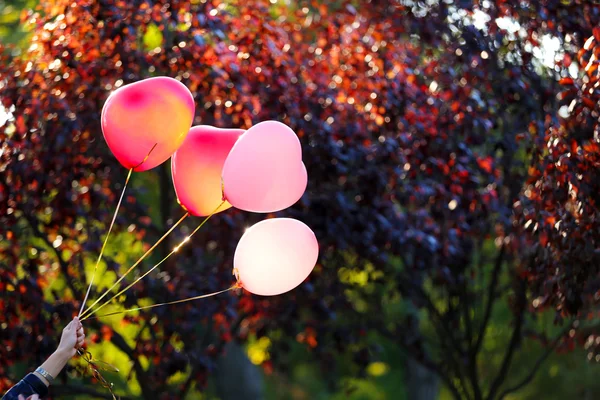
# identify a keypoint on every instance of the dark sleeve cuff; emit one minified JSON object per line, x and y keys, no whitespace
{"x":28,"y":386}
{"x":36,"y":383}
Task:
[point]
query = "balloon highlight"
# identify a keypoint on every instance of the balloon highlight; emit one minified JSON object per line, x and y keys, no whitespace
{"x":275,"y":255}
{"x":145,"y":122}
{"x":196,"y":168}
{"x":264,"y":172}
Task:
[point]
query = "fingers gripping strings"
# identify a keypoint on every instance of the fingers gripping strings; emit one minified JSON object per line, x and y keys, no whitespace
{"x":175,"y":250}
{"x":112,"y":223}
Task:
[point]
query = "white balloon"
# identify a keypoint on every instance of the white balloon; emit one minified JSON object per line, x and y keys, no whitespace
{"x":275,"y":255}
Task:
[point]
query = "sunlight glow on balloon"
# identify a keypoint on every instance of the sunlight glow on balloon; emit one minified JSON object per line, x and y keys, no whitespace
{"x":197,"y":165}
{"x":275,"y":255}
{"x":149,"y":118}
{"x":264,"y":171}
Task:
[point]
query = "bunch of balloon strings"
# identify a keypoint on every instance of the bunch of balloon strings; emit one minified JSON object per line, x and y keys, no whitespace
{"x":258,"y":170}
{"x":95,"y":366}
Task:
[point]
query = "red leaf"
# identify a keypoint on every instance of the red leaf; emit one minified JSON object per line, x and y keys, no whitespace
{"x":588,"y":102}
{"x":463,"y":174}
{"x":486,"y":164}
{"x":596,"y":32}
{"x":106,"y":333}
{"x":567,"y":60}
{"x":544,"y":239}
{"x":565,"y":81}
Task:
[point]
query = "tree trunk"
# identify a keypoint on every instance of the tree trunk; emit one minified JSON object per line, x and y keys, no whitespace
{"x":236,"y":377}
{"x":421,"y":384}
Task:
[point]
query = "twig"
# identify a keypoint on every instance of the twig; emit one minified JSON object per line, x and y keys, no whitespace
{"x":64,"y":267}
{"x":472,"y":350}
{"x":491,"y":298}
{"x":514,"y":340}
{"x":422,"y":359}
{"x":446,"y":336}
{"x":145,"y":384}
{"x":536,"y":366}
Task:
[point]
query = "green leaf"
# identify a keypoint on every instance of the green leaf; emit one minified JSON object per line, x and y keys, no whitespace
{"x":153,"y":37}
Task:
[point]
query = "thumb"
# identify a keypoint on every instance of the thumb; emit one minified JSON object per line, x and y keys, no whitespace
{"x":69,"y":326}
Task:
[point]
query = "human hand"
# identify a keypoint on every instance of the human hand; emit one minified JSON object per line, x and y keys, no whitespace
{"x":72,"y":338}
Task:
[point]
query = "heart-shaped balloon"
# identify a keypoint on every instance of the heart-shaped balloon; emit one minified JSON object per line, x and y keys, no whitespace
{"x":275,"y":255}
{"x":197,"y":165}
{"x":264,"y":171}
{"x":146,"y":121}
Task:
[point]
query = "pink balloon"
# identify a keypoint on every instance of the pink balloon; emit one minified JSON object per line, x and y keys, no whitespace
{"x":275,"y":255}
{"x":264,"y":171}
{"x":151,"y":116}
{"x":196,"y":167}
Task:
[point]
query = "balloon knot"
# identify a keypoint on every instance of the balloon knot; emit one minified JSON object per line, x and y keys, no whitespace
{"x":238,"y":283}
{"x":223,"y":197}
{"x":182,"y":206}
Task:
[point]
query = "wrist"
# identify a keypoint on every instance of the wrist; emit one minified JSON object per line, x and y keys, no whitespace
{"x":42,"y":378}
{"x":63,"y":354}
{"x":57,"y":361}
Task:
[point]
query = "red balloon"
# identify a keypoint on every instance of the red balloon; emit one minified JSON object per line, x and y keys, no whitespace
{"x":196,"y":167}
{"x":146,"y":121}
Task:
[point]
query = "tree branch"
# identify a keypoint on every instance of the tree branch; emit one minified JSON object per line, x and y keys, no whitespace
{"x":143,"y":380}
{"x":405,"y":286}
{"x":491,"y":298}
{"x":422,"y":359}
{"x":525,"y":381}
{"x":445,"y":334}
{"x":188,"y":383}
{"x":472,"y":350}
{"x":64,"y":266}
{"x":514,"y":340}
{"x":219,"y":348}
{"x":116,"y":339}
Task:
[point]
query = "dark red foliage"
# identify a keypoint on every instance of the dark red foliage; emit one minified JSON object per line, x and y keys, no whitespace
{"x":559,"y":206}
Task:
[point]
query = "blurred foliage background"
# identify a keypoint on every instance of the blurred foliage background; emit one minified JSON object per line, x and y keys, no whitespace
{"x":11,"y":28}
{"x":426,"y":128}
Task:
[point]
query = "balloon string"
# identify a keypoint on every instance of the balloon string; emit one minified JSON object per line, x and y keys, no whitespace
{"x":112,"y":223}
{"x":136,"y":263}
{"x":157,"y":265}
{"x":93,"y":365}
{"x":87,"y":293}
{"x":147,"y":155}
{"x":204,"y":296}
